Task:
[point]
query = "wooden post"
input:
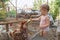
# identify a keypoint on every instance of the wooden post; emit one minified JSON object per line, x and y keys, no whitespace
{"x":16,"y":11}
{"x":7,"y":27}
{"x":47,"y":1}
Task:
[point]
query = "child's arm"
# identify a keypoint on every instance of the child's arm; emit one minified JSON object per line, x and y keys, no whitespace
{"x":35,"y":19}
{"x":47,"y":23}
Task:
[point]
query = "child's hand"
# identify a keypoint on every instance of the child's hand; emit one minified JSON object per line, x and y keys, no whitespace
{"x":42,"y":27}
{"x":30,"y":19}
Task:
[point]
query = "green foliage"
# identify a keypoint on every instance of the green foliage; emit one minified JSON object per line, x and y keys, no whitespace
{"x":2,"y":9}
{"x":58,"y":3}
{"x":37,"y":4}
{"x":55,"y":8}
{"x":2,"y":14}
{"x":4,"y":0}
{"x":11,"y":13}
{"x":0,"y":5}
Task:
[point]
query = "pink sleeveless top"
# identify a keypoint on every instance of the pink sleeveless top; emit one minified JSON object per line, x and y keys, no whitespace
{"x":42,"y":20}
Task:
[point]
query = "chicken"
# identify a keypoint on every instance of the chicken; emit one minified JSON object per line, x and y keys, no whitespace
{"x":21,"y":33}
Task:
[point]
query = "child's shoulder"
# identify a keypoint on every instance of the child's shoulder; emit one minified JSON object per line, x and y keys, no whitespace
{"x":47,"y":17}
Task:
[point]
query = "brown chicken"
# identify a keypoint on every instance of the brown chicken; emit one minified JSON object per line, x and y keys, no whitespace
{"x":20,"y":34}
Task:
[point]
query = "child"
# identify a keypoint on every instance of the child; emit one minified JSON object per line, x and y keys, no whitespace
{"x":44,"y":20}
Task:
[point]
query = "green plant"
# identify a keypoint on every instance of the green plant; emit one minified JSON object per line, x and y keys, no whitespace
{"x":2,"y":9}
{"x":11,"y":13}
{"x":55,"y":8}
{"x":37,"y":4}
